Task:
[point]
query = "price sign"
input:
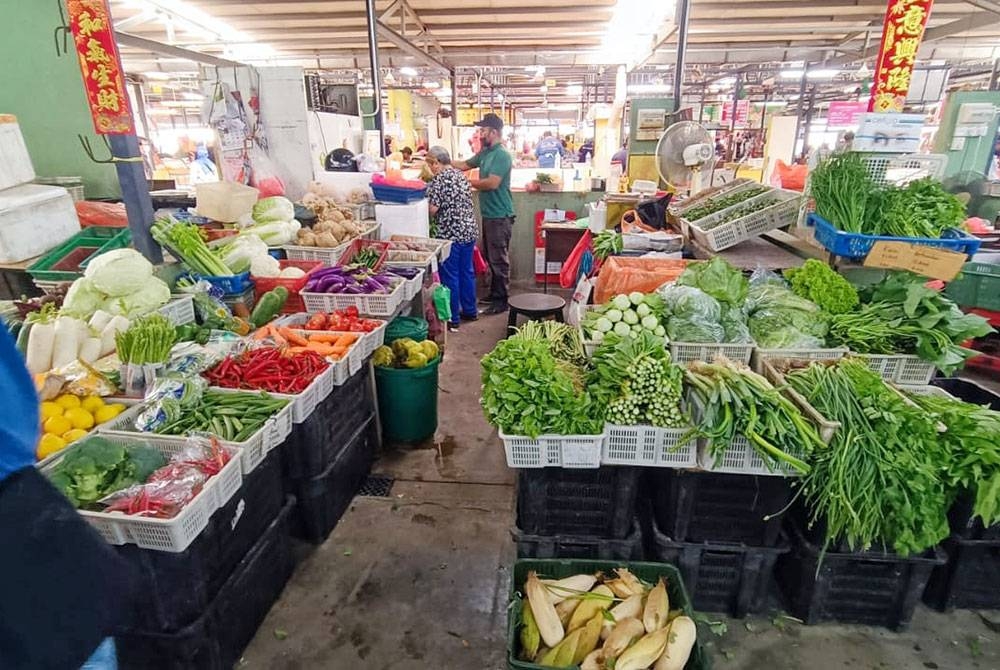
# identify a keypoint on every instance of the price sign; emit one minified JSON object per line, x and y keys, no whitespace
{"x":930,"y":262}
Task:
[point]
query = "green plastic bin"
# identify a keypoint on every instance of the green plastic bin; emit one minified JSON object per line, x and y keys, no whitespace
{"x":977,"y":286}
{"x":100,"y":239}
{"x":408,"y":401}
{"x":413,"y":327}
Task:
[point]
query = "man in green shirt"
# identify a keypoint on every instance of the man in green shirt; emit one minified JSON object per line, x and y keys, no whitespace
{"x":496,"y":207}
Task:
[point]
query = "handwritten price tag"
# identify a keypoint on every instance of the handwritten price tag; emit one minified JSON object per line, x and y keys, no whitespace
{"x":927,"y":261}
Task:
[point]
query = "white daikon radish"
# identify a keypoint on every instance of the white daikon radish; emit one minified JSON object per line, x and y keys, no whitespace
{"x":99,"y":320}
{"x":115,"y":325}
{"x":67,"y":341}
{"x":90,"y":350}
{"x":38,"y":355}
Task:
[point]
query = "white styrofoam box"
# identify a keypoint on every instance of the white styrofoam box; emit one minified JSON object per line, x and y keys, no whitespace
{"x":34,"y":219}
{"x":15,"y":162}
{"x":411,"y":219}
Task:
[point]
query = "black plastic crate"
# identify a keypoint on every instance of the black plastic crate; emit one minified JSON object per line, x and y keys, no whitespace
{"x":866,"y":587}
{"x":970,"y":579}
{"x":969,"y":391}
{"x":731,"y":578}
{"x":317,"y":442}
{"x":579,"y":546}
{"x":324,"y":499}
{"x":175,"y":588}
{"x":215,"y":641}
{"x":965,"y":526}
{"x":713,"y":507}
{"x":597,"y":502}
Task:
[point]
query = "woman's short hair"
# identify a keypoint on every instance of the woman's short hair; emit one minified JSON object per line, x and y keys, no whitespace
{"x":440,"y":154}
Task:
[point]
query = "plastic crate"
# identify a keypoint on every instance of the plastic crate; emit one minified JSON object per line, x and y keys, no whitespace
{"x":759,"y":355}
{"x":428,"y":262}
{"x":712,"y":507}
{"x":318,"y":441}
{"x":649,"y":446}
{"x":685,"y":352}
{"x":381,"y":304}
{"x":578,"y":546}
{"x":229,"y":285}
{"x":598,"y":503}
{"x":867,"y":587}
{"x":977,"y":286}
{"x":178,"y":587}
{"x":180,"y":310}
{"x":397,"y":194}
{"x":783,"y":212}
{"x":323,"y":500}
{"x":708,"y":195}
{"x":96,"y":239}
{"x":731,"y":578}
{"x":441,"y":247}
{"x":236,"y":302}
{"x":349,"y":364}
{"x":216,"y":640}
{"x":903,"y":369}
{"x":560,"y":568}
{"x":969,"y":579}
{"x":301,"y":405}
{"x":328,"y":256}
{"x":174,"y":534}
{"x":857,"y":245}
{"x":294,"y":286}
{"x":367,"y":345}
{"x":412,"y":287}
{"x":357,"y":245}
{"x":565,"y":451}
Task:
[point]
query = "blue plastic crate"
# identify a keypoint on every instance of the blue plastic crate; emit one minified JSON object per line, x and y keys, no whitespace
{"x":857,"y":245}
{"x":237,"y":284}
{"x":397,"y":194}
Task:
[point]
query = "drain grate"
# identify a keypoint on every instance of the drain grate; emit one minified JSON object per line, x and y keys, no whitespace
{"x":377,"y":486}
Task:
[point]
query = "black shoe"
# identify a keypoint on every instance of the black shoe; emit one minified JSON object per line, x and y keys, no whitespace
{"x":486,"y":301}
{"x":466,"y":317}
{"x":452,"y":327}
{"x":496,"y":309}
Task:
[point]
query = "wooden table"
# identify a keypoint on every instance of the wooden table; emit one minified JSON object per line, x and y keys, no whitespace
{"x":560,"y":240}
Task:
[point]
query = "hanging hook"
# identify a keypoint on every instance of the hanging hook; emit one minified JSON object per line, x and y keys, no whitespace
{"x":63,"y":29}
{"x":89,"y":150}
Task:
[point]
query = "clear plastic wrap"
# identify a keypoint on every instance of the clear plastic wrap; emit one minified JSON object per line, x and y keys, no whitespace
{"x":779,"y":319}
{"x":692,"y":314}
{"x":167,"y":399}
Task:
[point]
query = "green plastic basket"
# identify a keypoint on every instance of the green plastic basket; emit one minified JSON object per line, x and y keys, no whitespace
{"x":977,"y":286}
{"x":561,"y":568}
{"x":102,"y":238}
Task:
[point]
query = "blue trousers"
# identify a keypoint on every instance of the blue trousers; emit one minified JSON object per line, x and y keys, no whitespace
{"x":460,"y":278}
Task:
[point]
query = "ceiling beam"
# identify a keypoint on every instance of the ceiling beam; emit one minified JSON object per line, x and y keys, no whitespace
{"x":988,"y":5}
{"x":152,"y":46}
{"x":411,"y":49}
{"x":971,"y":22}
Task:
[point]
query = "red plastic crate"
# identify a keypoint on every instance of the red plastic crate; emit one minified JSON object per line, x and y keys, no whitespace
{"x":359,"y":244}
{"x":990,"y":315}
{"x":294,"y":304}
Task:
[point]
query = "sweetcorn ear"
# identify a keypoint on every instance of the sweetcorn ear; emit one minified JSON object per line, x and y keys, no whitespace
{"x":530,"y":637}
{"x":654,"y":616}
{"x":592,"y":603}
{"x":624,"y":634}
{"x":588,"y":639}
{"x":645,"y":652}
{"x":549,"y":626}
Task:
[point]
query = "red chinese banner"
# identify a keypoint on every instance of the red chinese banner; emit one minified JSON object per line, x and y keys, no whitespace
{"x":905,"y":21}
{"x":93,"y":34}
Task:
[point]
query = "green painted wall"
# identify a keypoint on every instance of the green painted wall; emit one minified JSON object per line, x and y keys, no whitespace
{"x":46,"y":94}
{"x":645,"y":147}
{"x":975,"y":156}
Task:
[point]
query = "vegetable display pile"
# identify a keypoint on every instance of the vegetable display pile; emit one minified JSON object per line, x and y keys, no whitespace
{"x":607,"y":243}
{"x":342,"y":320}
{"x":718,"y":204}
{"x":732,"y":400}
{"x":367,"y":256}
{"x":818,"y":282}
{"x":635,"y":381}
{"x":96,"y":467}
{"x":406,"y":353}
{"x":268,"y":369}
{"x":598,"y":622}
{"x":147,"y":340}
{"x":739,"y":212}
{"x":779,"y":319}
{"x":68,"y":418}
{"x":331,"y":345}
{"x":877,"y":482}
{"x":269,"y":306}
{"x":563,"y":340}
{"x":335,"y":225}
{"x":184,"y":240}
{"x":352,"y":280}
{"x":625,"y":316}
{"x":119,"y":282}
{"x":233,"y":417}
{"x":841,"y":187}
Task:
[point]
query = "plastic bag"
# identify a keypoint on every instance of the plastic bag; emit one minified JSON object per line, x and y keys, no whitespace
{"x":442,"y":302}
{"x":111,"y":214}
{"x":791,"y":177}
{"x":717,"y":278}
{"x":265,"y":175}
{"x":692,"y":315}
{"x":570,"y":271}
{"x":578,"y":303}
{"x":653,"y":213}
{"x":479,"y":263}
{"x":620,"y":274}
{"x":779,"y":319}
{"x":734,"y":323}
{"x":167,"y":400}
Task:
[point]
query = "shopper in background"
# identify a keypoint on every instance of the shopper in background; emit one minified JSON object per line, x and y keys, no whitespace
{"x":450,"y":200}
{"x":621,"y":156}
{"x":63,"y":588}
{"x":203,"y":170}
{"x":548,"y":150}
{"x":586,"y":151}
{"x":407,"y":154}
{"x":495,"y":205}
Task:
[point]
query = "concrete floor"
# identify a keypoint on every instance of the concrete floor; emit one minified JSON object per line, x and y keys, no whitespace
{"x":419,"y":580}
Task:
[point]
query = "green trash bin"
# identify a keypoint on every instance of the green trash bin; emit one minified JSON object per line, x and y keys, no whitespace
{"x":408,"y":401}
{"x":413,"y":327}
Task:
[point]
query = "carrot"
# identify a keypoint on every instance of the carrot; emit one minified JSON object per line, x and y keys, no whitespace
{"x":297,"y":350}
{"x":346,"y":340}
{"x":320,"y":348}
{"x":328,"y":338}
{"x":293,"y":337}
{"x":262,"y":333}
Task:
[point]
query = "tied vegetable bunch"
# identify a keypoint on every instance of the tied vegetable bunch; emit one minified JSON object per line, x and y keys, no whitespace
{"x":607,"y":243}
{"x":147,"y":340}
{"x":184,"y":240}
{"x":625,"y":315}
{"x":634,"y":379}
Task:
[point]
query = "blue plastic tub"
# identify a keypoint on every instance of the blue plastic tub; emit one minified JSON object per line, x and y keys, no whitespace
{"x":397,"y":194}
{"x":234,"y":284}
{"x":857,"y":245}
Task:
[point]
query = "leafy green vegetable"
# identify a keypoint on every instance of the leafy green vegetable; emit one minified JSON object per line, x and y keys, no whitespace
{"x":718,"y":279}
{"x":922,"y":208}
{"x":818,"y":282}
{"x":720,"y":203}
{"x":693,"y":315}
{"x":607,"y":243}
{"x":96,"y":467}
{"x":634,"y":380}
{"x":841,"y":188}
{"x":779,"y":319}
{"x":119,"y":272}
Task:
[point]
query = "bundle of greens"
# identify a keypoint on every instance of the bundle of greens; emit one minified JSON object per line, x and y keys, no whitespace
{"x":634,"y":380}
{"x":692,"y":315}
{"x":818,"y":282}
{"x":184,"y":241}
{"x":972,"y":443}
{"x":922,"y":208}
{"x":147,"y":340}
{"x":95,"y":467}
{"x":720,"y":203}
{"x":718,"y":279}
{"x":903,"y":315}
{"x":563,"y":340}
{"x":607,"y":243}
{"x":732,"y":400}
{"x":779,"y":319}
{"x":841,"y":188}
{"x":877,"y":482}
{"x":529,"y":391}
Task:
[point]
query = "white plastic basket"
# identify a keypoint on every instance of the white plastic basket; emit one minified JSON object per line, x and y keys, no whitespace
{"x":784,"y":212}
{"x":760,"y":355}
{"x":902,"y":369}
{"x":176,"y":534}
{"x":441,"y":247}
{"x":302,"y":405}
{"x":562,"y":451}
{"x":382,"y":304}
{"x":427,"y":263}
{"x":649,"y":446}
{"x":128,"y":402}
{"x":374,"y":340}
{"x":685,"y":352}
{"x":366,"y":345}
{"x":179,"y":310}
{"x":328,"y":256}
{"x":412,"y":287}
{"x":704,"y":197}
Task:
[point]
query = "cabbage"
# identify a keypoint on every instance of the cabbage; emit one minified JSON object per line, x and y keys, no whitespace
{"x":275,"y":208}
{"x":119,"y":272}
{"x":152,"y":295}
{"x":82,"y":299}
{"x":265,"y":266}
{"x":275,"y":233}
{"x":292,"y":273}
{"x":621,"y":302}
{"x":240,"y":253}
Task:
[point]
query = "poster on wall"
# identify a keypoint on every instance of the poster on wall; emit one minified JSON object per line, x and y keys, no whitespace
{"x":845,"y":113}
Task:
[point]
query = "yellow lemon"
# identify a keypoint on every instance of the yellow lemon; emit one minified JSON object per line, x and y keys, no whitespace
{"x":92,"y":403}
{"x":80,"y":418}
{"x":68,"y":401}
{"x":50,"y":409}
{"x":108,"y":412}
{"x":57,"y":425}
{"x":74,"y":435}
{"x":48,"y":445}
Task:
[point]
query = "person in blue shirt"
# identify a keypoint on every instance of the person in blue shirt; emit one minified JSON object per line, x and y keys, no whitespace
{"x":548,"y":151}
{"x":63,"y":588}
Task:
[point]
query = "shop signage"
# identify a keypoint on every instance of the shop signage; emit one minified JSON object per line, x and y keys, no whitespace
{"x":904,"y":28}
{"x":742,"y":112}
{"x":93,"y":35}
{"x":845,"y":113}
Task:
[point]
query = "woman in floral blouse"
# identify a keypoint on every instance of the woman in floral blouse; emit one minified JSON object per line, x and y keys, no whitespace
{"x":450,"y":198}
